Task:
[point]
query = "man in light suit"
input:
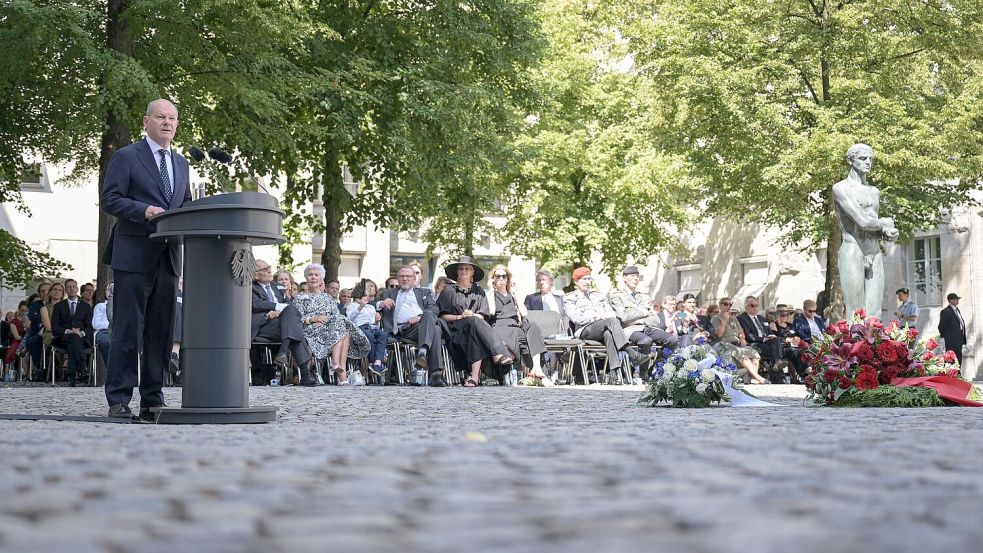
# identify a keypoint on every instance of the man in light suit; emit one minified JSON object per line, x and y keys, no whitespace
{"x":411,"y":314}
{"x":71,"y":328}
{"x":143,"y":179}
{"x":276,"y":320}
{"x":952,"y":327}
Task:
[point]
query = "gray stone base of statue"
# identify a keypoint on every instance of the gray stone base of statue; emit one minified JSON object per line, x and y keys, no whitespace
{"x":860,"y":259}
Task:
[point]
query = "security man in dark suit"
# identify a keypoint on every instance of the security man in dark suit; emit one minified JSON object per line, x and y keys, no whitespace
{"x":71,"y":328}
{"x":143,"y":179}
{"x":410,"y":313}
{"x":276,"y":320}
{"x":952,"y":327}
{"x":757,"y":331}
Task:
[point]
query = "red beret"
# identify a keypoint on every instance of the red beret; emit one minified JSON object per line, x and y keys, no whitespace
{"x":580,"y":272}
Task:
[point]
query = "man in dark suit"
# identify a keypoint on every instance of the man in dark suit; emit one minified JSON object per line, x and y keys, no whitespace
{"x":757,"y":332}
{"x":809,"y":323}
{"x":952,"y":327}
{"x":545,"y":299}
{"x":143,"y":179}
{"x":410,"y":313}
{"x":71,"y":328}
{"x":277,"y":321}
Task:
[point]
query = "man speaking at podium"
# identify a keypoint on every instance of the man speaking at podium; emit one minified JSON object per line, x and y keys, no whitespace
{"x":142,"y":180}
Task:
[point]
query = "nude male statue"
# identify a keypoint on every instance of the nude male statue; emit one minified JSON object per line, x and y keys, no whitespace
{"x":860,"y":258}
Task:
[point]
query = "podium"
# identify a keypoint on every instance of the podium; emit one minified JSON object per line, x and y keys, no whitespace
{"x":218,"y":233}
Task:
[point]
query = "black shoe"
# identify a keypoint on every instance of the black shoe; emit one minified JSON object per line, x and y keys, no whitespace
{"x":421,"y":357}
{"x":120,"y":411}
{"x":146,"y":415}
{"x":635,"y":357}
{"x":437,"y":380}
{"x":71,"y":382}
{"x":308,"y":379}
{"x":174,"y":366}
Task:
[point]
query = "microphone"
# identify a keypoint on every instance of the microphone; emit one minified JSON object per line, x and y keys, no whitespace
{"x":219,"y":155}
{"x":196,"y":154}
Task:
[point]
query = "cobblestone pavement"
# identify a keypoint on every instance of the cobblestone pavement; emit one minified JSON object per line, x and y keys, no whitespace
{"x":491,"y":469}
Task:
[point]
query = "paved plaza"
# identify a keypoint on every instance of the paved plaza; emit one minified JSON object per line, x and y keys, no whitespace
{"x":400,"y":469}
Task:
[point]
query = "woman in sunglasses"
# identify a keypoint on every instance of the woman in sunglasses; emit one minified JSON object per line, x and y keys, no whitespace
{"x":508,"y":318}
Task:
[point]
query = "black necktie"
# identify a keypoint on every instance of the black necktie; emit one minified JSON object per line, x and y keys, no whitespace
{"x":71,"y":307}
{"x":164,"y":175}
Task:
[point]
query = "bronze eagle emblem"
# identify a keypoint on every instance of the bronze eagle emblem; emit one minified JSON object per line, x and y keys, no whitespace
{"x":243,"y":266}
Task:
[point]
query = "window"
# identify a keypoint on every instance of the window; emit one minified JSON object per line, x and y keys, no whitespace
{"x":754,"y":273}
{"x":33,"y":180}
{"x":690,"y":282}
{"x":925,"y":270}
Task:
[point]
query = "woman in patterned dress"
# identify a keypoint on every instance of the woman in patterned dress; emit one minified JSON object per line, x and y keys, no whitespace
{"x":330,"y":334}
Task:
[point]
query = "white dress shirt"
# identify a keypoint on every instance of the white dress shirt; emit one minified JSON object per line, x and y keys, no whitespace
{"x":99,"y":319}
{"x":406,"y":306}
{"x":365,"y":316}
{"x":549,"y":302}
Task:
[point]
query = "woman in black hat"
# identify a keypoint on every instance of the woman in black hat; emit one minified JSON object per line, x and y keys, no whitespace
{"x":464,"y":306}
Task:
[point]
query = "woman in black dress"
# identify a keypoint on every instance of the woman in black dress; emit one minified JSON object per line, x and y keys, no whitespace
{"x":788,"y":342}
{"x":464,"y":307}
{"x":510,"y":324}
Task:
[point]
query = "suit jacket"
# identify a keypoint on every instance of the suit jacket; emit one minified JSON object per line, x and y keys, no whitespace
{"x":133,"y":183}
{"x":534,"y":302}
{"x":801,"y":326}
{"x":750,"y":332}
{"x":62,"y":319}
{"x":261,"y":305}
{"x":952,"y":333}
{"x":424,"y":298}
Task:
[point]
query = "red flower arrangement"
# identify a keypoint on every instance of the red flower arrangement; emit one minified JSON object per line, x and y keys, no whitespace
{"x":863,"y":354}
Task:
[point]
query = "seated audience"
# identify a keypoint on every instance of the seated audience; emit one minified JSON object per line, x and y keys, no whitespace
{"x":362,"y":314}
{"x":730,"y":343}
{"x":438,"y":287}
{"x":35,"y":330}
{"x":329,"y":334}
{"x":789,"y":341}
{"x":71,"y":327}
{"x":15,"y":326}
{"x":637,"y":315}
{"x":809,"y":324}
{"x":87,"y":292}
{"x":411,"y":315}
{"x":545,"y":298}
{"x":275,"y":320}
{"x":595,"y":320}
{"x":55,"y":295}
{"x":756,"y":329}
{"x":669,"y":314}
{"x":464,"y":307}
{"x":510,"y":324}
{"x":102,"y":317}
{"x":687,"y":323}
{"x":286,"y":281}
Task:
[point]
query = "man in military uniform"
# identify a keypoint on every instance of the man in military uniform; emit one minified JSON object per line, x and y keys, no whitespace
{"x":638,"y":318}
{"x":595,"y":320}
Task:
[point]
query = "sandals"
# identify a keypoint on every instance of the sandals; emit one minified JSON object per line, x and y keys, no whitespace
{"x":337,"y":370}
{"x":470,"y":383}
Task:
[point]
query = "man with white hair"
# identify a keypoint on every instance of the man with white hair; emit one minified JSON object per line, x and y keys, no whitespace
{"x":143,"y":180}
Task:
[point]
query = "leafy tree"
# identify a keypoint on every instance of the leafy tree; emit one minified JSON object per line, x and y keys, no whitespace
{"x":415,"y":98}
{"x":76,"y":74}
{"x":767,"y":96}
{"x":595,"y":171}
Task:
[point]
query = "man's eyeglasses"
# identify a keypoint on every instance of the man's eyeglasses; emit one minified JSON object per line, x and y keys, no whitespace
{"x":810,"y":310}
{"x":752,"y":305}
{"x":264,"y":270}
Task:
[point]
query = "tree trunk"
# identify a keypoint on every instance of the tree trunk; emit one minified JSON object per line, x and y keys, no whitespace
{"x":116,"y":134}
{"x":834,"y":292}
{"x":332,"y":187}
{"x":469,"y":236}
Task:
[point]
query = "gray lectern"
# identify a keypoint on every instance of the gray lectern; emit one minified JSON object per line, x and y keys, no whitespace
{"x":218,"y":234}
